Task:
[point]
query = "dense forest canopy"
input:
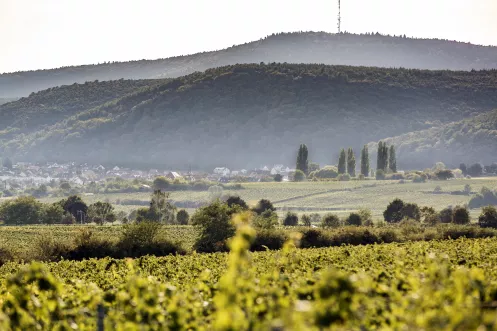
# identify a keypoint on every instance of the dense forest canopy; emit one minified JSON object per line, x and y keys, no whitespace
{"x":243,"y":115}
{"x":303,"y":47}
{"x":468,"y":141}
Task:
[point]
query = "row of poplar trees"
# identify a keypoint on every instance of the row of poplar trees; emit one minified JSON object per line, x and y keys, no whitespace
{"x":387,"y":159}
{"x":347,"y":163}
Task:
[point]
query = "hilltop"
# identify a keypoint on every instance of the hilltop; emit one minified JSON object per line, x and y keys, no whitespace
{"x":468,"y":141}
{"x":247,"y":115}
{"x":305,"y":47}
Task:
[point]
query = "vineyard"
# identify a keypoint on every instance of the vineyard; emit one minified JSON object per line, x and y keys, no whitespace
{"x":425,"y":285}
{"x":321,"y":197}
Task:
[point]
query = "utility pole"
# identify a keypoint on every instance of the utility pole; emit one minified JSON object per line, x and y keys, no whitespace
{"x":339,"y":18}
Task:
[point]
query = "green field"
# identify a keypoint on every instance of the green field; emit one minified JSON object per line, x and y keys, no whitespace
{"x":322,"y":197}
{"x":435,"y":285}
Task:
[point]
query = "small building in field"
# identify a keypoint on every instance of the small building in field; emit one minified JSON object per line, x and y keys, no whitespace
{"x":173,"y":175}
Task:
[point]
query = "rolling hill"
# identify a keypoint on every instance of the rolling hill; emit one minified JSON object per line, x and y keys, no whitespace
{"x":468,"y":141}
{"x":306,"y":47}
{"x":245,"y":115}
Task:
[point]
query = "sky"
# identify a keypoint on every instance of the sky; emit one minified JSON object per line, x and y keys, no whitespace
{"x":43,"y":34}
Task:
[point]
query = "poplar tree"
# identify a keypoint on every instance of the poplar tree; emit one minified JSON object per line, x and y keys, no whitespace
{"x":351,"y":162}
{"x":392,"y":162}
{"x":365,"y":161}
{"x":302,"y":159}
{"x":382,"y":160}
{"x":342,"y":162}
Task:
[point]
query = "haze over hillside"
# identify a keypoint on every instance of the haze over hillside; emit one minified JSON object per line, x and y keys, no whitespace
{"x":308,"y":47}
{"x":468,"y":141}
{"x":242,"y":115}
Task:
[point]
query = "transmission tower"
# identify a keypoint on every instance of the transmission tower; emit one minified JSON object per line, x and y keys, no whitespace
{"x":339,"y":18}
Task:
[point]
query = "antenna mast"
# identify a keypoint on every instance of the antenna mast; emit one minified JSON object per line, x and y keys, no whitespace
{"x":339,"y":18}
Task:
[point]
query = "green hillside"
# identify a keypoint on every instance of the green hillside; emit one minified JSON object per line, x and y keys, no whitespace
{"x":306,"y":47}
{"x":248,"y":115}
{"x":468,"y":141}
{"x":53,"y":105}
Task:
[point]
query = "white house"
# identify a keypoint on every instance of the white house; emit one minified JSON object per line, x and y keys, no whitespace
{"x":173,"y":175}
{"x":222,"y":171}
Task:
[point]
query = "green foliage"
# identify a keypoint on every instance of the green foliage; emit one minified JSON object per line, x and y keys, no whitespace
{"x":214,"y":225}
{"x":299,"y":176}
{"x":392,"y":159}
{"x":461,"y":215}
{"x":484,"y":198}
{"x":488,"y":217}
{"x":380,"y":174}
{"x":262,"y":206}
{"x":342,"y":162}
{"x":100,"y":213}
{"x":343,"y":177}
{"x":365,"y":167}
{"x":182,"y":217}
{"x":444,"y":174}
{"x":351,"y":164}
{"x":267,"y":220}
{"x":52,"y":214}
{"x":302,"y":159}
{"x":161,"y":183}
{"x":278,"y":178}
{"x":354,"y":219}
{"x":330,"y":221}
{"x":447,"y":215}
{"x":22,"y":210}
{"x":393,"y":213}
{"x":236,"y":200}
{"x":327,"y":172}
{"x":382,"y":158}
{"x":306,"y":220}
{"x":291,"y":219}
{"x":75,"y":206}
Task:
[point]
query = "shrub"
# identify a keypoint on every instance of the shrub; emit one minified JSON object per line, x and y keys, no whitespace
{"x":87,"y":246}
{"x":353,"y":219}
{"x":5,"y":256}
{"x":429,"y":216}
{"x":380,"y":174}
{"x":343,"y":178}
{"x":437,"y":189}
{"x":267,"y":220}
{"x":182,"y":217}
{"x":278,"y":178}
{"x":446,"y":215}
{"x":330,"y":221}
{"x":420,"y":178}
{"x":22,"y":210}
{"x":299,"y":176}
{"x":444,"y":174}
{"x":467,"y":189}
{"x":476,"y":170}
{"x":366,"y":216}
{"x":461,"y":215}
{"x":411,"y":211}
{"x":46,"y":248}
{"x":236,"y":200}
{"x":488,"y":217}
{"x":306,"y":220}
{"x":393,"y":212}
{"x":291,"y":219}
{"x":214,"y":225}
{"x":484,"y":198}
{"x":161,"y":183}
{"x":269,"y":239}
{"x":361,"y":177}
{"x":52,"y":214}
{"x":328,"y":172}
{"x":262,"y":206}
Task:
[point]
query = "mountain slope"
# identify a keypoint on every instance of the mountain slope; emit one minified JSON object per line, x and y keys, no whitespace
{"x":308,"y":47}
{"x":248,"y":115}
{"x":468,"y":141}
{"x":53,"y":105}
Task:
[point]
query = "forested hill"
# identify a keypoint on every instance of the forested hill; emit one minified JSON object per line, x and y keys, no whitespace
{"x":308,"y":47}
{"x":468,"y":141}
{"x":54,"y":104}
{"x":248,"y":115}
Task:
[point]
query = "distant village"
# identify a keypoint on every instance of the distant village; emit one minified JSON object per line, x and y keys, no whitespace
{"x":28,"y":174}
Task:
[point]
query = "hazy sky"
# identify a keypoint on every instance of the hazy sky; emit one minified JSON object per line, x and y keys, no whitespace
{"x":37,"y":34}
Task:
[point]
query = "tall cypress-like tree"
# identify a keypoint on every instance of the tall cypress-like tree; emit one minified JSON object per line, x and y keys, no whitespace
{"x":342,"y":162}
{"x":365,"y":161}
{"x":351,"y":162}
{"x":302,"y":159}
{"x":392,"y":161}
{"x":382,"y":161}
